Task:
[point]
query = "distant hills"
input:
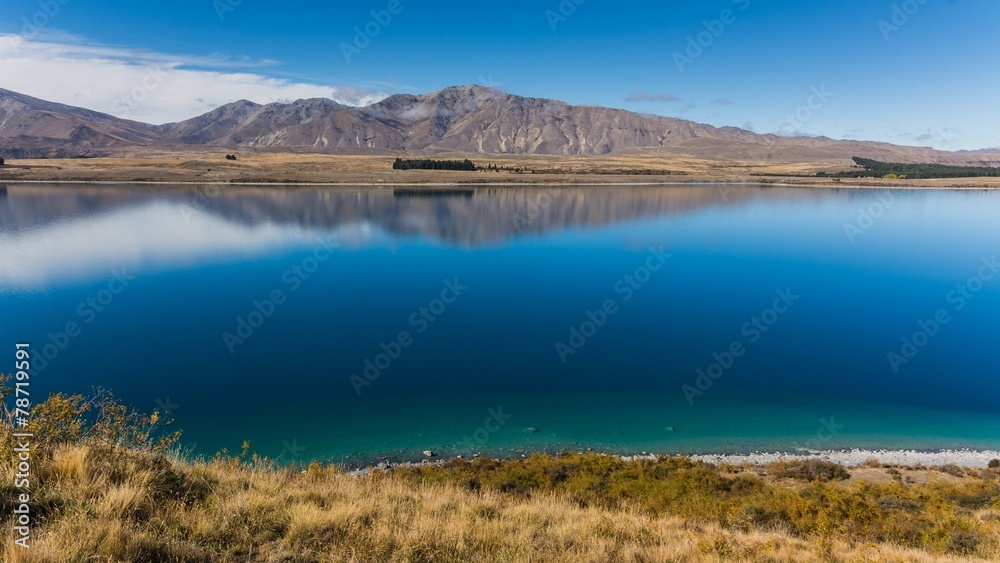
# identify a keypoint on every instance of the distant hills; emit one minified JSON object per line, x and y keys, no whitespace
{"x":459,"y":119}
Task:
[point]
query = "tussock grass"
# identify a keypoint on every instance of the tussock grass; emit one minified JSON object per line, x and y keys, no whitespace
{"x":609,"y":510}
{"x":131,"y":499}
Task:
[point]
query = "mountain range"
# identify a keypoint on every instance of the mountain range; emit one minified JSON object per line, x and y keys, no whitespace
{"x":455,"y":120}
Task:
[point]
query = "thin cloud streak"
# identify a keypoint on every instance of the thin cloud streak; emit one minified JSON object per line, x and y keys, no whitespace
{"x":647,"y":97}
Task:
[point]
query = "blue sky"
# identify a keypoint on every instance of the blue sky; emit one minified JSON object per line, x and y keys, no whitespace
{"x":928,"y":78}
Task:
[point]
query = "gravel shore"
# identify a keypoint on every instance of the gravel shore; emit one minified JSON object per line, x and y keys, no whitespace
{"x":847,"y":458}
{"x":850,"y":458}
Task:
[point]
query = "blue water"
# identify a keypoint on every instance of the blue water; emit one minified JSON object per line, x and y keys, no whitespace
{"x":483,"y":372}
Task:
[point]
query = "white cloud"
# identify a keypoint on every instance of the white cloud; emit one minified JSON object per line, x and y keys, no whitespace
{"x":147,"y":86}
{"x":414,"y":113}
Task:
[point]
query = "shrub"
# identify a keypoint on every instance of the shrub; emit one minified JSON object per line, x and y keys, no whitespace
{"x":994,"y":464}
{"x":953,"y":470}
{"x":896,"y":503}
{"x":99,"y":420}
{"x":964,"y":543}
{"x":811,"y":470}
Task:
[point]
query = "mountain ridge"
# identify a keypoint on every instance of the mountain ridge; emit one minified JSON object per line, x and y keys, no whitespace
{"x":468,"y":119}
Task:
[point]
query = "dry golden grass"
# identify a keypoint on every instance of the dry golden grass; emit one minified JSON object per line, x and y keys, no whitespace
{"x":210,"y":165}
{"x":108,"y":505}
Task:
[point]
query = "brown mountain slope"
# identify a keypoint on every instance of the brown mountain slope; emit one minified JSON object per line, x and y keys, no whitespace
{"x":317,"y":123}
{"x":45,"y":128}
{"x":459,"y":119}
{"x":473,"y":119}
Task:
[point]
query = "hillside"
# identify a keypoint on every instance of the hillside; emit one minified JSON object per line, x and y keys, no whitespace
{"x":461,"y":119}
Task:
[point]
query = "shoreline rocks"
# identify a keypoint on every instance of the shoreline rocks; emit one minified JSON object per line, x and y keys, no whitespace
{"x":847,"y":458}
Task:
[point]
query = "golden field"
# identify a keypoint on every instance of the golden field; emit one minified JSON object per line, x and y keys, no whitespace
{"x":210,"y":165}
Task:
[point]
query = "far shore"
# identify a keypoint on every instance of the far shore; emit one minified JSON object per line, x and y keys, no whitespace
{"x":318,"y":170}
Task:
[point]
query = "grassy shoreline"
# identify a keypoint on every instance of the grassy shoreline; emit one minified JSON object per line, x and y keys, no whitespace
{"x":108,"y":484}
{"x":96,"y":502}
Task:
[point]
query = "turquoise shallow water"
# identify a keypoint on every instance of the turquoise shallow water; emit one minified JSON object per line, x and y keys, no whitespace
{"x":793,"y":303}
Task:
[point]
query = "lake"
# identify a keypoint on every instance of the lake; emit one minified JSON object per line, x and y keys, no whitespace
{"x":356,"y":324}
